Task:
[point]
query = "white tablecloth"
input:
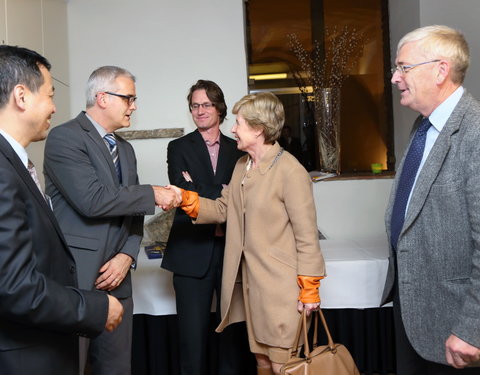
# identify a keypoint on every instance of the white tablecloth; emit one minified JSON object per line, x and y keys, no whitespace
{"x":153,"y":292}
{"x":356,"y":275}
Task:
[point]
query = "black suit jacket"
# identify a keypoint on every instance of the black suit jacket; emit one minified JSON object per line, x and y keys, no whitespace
{"x":40,"y":308}
{"x":189,"y":247}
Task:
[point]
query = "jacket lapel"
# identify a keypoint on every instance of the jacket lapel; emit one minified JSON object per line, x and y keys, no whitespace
{"x":18,"y":166}
{"x":434,"y":162}
{"x":92,"y":133}
{"x":122,"y":156}
{"x":224,"y":154}
{"x":200,"y":148}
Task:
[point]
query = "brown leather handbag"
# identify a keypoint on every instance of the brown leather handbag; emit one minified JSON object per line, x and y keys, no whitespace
{"x":331,"y":359}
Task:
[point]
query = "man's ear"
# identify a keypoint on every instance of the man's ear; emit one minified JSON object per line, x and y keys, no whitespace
{"x":101,"y":99}
{"x":19,"y":94}
{"x":443,"y":71}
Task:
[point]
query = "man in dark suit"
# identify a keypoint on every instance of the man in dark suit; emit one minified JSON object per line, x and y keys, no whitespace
{"x":91,"y":176}
{"x":201,"y":161}
{"x":433,"y":218}
{"x":41,"y":309}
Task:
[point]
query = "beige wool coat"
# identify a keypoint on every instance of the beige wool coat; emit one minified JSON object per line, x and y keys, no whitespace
{"x":271,"y":224}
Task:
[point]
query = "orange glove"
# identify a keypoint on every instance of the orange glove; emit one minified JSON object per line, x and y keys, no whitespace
{"x":190,"y":203}
{"x":309,"y":288}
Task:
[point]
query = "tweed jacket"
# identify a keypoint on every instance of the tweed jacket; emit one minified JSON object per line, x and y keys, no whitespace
{"x":438,"y":250}
{"x":271,"y":230}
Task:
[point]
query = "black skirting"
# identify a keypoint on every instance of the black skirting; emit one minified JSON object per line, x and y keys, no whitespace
{"x":368,"y":334}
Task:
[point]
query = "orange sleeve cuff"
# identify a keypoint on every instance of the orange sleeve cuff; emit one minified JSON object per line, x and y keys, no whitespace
{"x":309,"y":288}
{"x":190,"y":203}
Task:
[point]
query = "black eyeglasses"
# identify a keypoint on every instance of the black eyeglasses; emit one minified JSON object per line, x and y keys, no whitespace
{"x":196,"y":106}
{"x":129,"y":98}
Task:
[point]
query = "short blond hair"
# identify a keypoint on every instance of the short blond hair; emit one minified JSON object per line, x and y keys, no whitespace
{"x":262,"y":111}
{"x":438,"y":41}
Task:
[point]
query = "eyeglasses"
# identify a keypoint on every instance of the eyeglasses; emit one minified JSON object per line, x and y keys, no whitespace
{"x":404,"y":69}
{"x":196,"y":106}
{"x":129,"y":98}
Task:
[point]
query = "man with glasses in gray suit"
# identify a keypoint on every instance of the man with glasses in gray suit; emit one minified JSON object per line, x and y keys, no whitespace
{"x":91,"y":177}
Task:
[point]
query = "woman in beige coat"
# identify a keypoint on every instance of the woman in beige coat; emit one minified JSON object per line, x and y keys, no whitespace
{"x":273,"y":263}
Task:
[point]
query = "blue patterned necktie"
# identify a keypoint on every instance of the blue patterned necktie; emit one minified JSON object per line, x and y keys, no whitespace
{"x":407,"y":178}
{"x":112,"y":145}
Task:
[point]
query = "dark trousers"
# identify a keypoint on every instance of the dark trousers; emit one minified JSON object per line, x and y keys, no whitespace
{"x":408,"y":360}
{"x":194,"y":301}
{"x":110,"y":352}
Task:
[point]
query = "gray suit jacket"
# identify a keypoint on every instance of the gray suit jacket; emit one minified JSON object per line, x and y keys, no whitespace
{"x":438,"y":251}
{"x":98,"y":216}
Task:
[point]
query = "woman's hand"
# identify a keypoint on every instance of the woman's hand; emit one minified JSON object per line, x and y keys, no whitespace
{"x":308,"y":307}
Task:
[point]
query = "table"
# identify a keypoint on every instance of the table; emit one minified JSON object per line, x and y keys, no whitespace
{"x":351,"y":294}
{"x":356,"y":272}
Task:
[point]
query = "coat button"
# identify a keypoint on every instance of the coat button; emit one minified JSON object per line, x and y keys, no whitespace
{"x":72,"y":269}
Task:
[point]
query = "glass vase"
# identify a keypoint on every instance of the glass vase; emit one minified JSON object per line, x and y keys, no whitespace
{"x":327,"y":121}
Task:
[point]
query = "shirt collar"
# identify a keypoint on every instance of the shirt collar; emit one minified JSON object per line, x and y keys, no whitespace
{"x":441,"y":114}
{"x":217,"y":140}
{"x":97,"y":126}
{"x":17,"y":147}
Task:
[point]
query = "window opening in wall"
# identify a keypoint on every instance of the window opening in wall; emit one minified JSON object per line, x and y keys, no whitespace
{"x":365,"y":104}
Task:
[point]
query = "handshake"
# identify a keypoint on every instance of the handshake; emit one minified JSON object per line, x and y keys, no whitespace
{"x":167,"y":197}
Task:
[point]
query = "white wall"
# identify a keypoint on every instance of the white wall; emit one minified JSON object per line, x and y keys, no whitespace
{"x":168,"y":45}
{"x":40,"y":25}
{"x":353,"y":209}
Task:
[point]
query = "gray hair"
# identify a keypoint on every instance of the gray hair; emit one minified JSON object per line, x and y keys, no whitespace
{"x":103,"y":79}
{"x":442,"y":42}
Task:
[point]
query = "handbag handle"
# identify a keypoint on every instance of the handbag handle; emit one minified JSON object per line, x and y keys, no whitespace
{"x":302,"y":327}
{"x":331,"y":344}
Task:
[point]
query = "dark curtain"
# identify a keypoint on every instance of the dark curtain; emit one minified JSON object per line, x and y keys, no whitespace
{"x":368,"y":334}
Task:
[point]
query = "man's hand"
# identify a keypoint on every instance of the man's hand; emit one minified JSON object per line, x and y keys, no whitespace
{"x":187,"y":176}
{"x":115,"y":313}
{"x":178,"y":194}
{"x":113,"y":272}
{"x":461,"y":354}
{"x":166,"y":198}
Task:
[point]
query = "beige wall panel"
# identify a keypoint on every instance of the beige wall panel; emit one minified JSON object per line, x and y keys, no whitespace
{"x":56,"y":38}
{"x":24,"y":23}
{"x":3,"y":25}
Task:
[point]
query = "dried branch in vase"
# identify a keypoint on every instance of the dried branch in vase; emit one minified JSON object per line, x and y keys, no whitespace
{"x":329,"y":63}
{"x":324,"y":70}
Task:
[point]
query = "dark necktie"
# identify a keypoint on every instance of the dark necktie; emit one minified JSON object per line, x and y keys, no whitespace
{"x":407,"y":178}
{"x":112,"y":145}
